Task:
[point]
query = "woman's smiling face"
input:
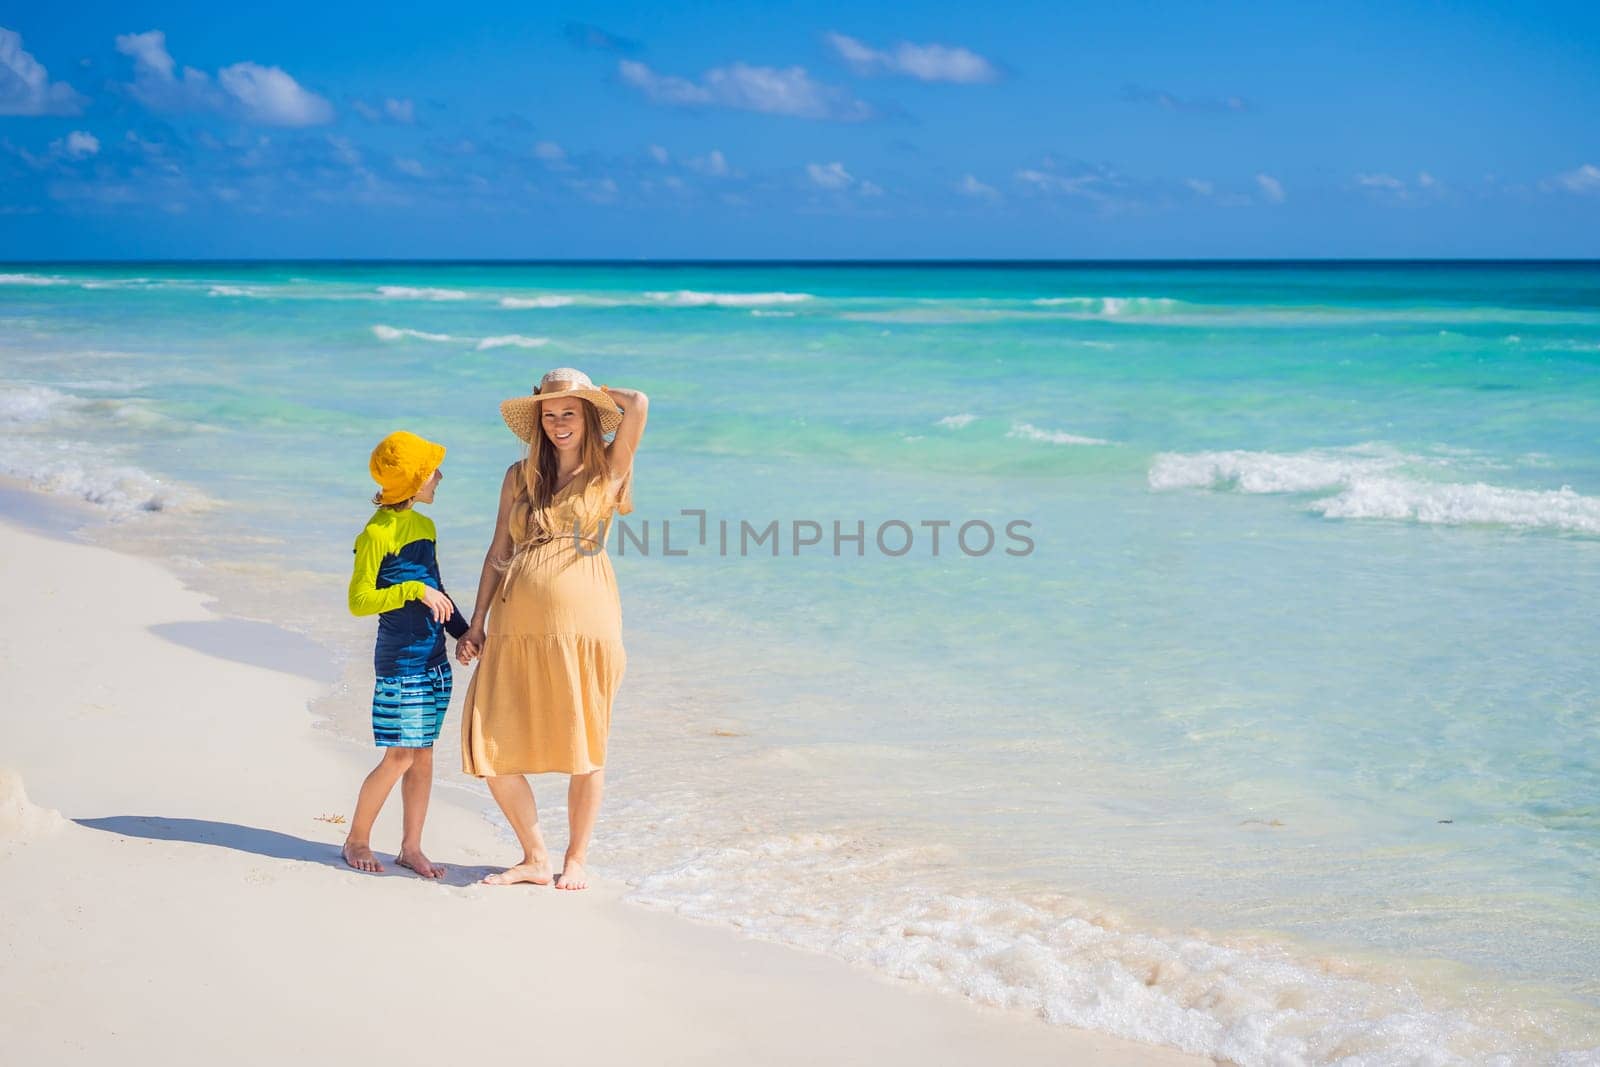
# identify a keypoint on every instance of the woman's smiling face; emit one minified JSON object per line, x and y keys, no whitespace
{"x":563,"y":422}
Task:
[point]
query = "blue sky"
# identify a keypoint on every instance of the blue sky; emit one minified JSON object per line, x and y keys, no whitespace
{"x":791,"y":130}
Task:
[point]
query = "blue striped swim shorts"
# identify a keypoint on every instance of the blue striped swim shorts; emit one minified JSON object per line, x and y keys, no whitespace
{"x":408,"y":710}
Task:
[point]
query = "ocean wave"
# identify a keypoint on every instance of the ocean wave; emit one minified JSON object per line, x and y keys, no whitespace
{"x":1071,"y":962}
{"x":694,"y":298}
{"x":34,"y":279}
{"x":1477,"y":504}
{"x":512,"y":340}
{"x":30,"y":405}
{"x":228,"y":290}
{"x":86,"y":472}
{"x":762,"y":313}
{"x":546,"y":301}
{"x":396,"y":333}
{"x":411,"y":292}
{"x":1112,"y":306}
{"x":1377,"y":482}
{"x":1271,"y":472}
{"x":1029,"y":432}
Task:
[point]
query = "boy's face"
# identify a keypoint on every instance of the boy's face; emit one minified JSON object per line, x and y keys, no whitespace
{"x":425,"y":494}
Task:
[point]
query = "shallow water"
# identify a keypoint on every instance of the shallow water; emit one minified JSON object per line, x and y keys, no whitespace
{"x":1278,"y":745}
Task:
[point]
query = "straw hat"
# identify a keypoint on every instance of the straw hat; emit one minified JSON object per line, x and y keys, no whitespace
{"x":522,"y":413}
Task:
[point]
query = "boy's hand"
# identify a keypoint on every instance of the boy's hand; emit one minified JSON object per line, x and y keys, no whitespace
{"x":438,"y":604}
{"x":469,"y":646}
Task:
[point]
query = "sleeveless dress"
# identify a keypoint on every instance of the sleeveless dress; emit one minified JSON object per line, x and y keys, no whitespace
{"x":540,"y":699}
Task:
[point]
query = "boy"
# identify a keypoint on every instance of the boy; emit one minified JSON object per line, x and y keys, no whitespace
{"x":396,"y":577}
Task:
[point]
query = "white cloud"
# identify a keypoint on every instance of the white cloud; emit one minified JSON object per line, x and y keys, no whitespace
{"x":1138,"y":94}
{"x":552,"y":155}
{"x":1200,"y":187}
{"x":741,"y":87}
{"x":25,"y":85}
{"x":78,"y":145}
{"x":660,"y":155}
{"x":971,"y":186}
{"x":835,"y":178}
{"x":925,"y":62}
{"x":601,"y":190}
{"x":1271,"y":188}
{"x":256,"y":93}
{"x":1427,"y":181}
{"x":1584,"y":179}
{"x":344,"y":151}
{"x":393,"y":109}
{"x":829,"y":175}
{"x":1380,"y":181}
{"x":407,"y":165}
{"x":270,"y":96}
{"x":155,"y":83}
{"x":1044,"y":181}
{"x":713,"y":164}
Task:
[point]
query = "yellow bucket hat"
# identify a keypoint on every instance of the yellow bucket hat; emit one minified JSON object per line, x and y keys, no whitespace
{"x":401,"y":463}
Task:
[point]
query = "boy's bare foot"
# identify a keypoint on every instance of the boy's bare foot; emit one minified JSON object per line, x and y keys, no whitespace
{"x":361,"y":858}
{"x":414,"y":860}
{"x":534,"y":873}
{"x":572,"y":876}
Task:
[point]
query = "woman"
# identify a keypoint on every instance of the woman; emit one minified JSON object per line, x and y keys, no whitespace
{"x":552,"y":656}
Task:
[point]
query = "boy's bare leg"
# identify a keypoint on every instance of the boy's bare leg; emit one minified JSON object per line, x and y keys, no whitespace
{"x":374,"y":791}
{"x":583,"y":808}
{"x":515,"y":797}
{"x":414,"y":790}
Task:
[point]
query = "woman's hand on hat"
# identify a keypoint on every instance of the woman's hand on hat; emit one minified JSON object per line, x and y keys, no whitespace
{"x":438,"y":605}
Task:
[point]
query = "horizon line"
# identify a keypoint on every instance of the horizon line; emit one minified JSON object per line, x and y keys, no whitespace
{"x":819,"y":262}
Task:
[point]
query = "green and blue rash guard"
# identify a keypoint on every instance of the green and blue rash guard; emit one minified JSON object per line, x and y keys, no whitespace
{"x":395,"y":560}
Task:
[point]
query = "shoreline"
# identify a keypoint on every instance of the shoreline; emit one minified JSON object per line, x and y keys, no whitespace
{"x":177,"y":908}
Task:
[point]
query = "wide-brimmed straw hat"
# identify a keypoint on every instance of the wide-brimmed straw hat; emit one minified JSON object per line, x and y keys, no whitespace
{"x":522,"y":412}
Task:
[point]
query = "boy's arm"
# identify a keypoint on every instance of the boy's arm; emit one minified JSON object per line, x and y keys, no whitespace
{"x":456,"y":624}
{"x":365,"y":596}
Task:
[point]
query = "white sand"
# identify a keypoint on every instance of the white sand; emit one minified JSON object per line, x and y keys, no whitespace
{"x":191,"y":908}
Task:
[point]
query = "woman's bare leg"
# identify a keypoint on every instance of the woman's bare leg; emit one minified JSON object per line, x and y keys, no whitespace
{"x":583,"y":808}
{"x":515,"y":797}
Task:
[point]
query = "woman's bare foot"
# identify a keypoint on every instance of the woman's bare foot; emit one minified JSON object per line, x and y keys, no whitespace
{"x":361,"y":858}
{"x":572,"y":876}
{"x":413,"y":859}
{"x":531,"y":872}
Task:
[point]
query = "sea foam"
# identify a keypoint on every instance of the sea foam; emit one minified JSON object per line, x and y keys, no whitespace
{"x":1029,"y":432}
{"x":1376,"y":482}
{"x":694,"y":298}
{"x":512,"y":340}
{"x":546,"y":301}
{"x":1071,"y":962}
{"x":396,"y":333}
{"x":412,"y":292}
{"x":1112,"y":306}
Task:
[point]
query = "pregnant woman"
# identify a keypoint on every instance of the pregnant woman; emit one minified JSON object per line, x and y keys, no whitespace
{"x":551,"y":657}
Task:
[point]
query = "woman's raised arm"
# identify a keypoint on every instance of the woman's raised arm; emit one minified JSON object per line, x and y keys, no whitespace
{"x":635,"y":409}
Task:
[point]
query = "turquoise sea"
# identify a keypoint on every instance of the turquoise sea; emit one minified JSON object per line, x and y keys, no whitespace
{"x":1280,"y":743}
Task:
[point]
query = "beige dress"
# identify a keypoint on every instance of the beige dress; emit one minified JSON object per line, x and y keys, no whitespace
{"x":552,"y":656}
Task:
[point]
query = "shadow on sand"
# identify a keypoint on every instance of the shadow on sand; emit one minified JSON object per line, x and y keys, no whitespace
{"x":258,"y":644}
{"x":268,"y":843}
